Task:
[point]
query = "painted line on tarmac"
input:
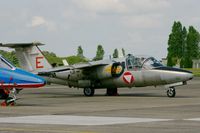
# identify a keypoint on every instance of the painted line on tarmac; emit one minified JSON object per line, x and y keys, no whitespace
{"x":193,"y":119}
{"x":16,"y":129}
{"x":75,"y":120}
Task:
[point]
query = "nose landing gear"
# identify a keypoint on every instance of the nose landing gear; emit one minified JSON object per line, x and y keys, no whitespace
{"x":171,"y":92}
{"x":11,"y":97}
{"x":9,"y":102}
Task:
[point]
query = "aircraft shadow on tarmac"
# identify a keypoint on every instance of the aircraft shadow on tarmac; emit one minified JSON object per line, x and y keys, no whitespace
{"x":71,"y":95}
{"x":151,"y":95}
{"x":61,"y":96}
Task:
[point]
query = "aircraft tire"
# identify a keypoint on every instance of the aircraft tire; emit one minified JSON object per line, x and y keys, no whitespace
{"x":171,"y":92}
{"x":88,"y":92}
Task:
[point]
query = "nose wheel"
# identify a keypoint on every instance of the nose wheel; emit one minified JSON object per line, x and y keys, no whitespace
{"x":171,"y":92}
{"x":10,"y":99}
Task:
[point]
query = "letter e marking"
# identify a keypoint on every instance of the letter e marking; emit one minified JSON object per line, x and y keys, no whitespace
{"x":38,"y":62}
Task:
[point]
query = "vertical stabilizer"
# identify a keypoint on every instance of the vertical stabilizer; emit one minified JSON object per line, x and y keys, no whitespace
{"x":30,"y":56}
{"x":120,"y":53}
{"x":65,"y":62}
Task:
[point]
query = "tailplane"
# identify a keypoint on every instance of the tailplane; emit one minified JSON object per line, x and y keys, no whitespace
{"x":30,"y":56}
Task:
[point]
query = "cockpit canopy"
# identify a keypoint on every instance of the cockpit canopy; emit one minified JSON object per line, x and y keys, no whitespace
{"x":4,"y":63}
{"x":133,"y":62}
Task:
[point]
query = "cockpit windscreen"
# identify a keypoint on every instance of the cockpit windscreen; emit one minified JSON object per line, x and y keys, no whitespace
{"x":151,"y":63}
{"x":137,"y":63}
{"x":5,"y":64}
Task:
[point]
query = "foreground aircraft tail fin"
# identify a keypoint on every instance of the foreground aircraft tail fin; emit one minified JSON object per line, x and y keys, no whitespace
{"x":30,"y":56}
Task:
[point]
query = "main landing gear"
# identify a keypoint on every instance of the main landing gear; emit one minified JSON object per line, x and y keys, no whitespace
{"x":9,"y":96}
{"x":112,"y":92}
{"x":171,"y":92}
{"x":88,"y":92}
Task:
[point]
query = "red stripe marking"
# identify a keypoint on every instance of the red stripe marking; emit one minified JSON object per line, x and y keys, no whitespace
{"x":21,"y":85}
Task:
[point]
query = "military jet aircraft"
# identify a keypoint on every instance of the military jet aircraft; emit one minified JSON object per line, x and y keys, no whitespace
{"x":130,"y":71}
{"x":13,"y":79}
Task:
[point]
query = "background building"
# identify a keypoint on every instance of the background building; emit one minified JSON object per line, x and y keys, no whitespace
{"x":196,"y":63}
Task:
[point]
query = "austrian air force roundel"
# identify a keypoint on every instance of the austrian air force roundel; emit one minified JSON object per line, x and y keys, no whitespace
{"x":128,"y":78}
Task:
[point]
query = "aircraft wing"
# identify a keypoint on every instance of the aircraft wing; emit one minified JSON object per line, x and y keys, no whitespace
{"x":91,"y":64}
{"x":83,"y":66}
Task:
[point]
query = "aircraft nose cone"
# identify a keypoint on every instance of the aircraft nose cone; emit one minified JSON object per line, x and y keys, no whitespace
{"x":38,"y":80}
{"x":175,"y":74}
{"x":186,"y":75}
{"x":28,"y":80}
{"x":189,"y":76}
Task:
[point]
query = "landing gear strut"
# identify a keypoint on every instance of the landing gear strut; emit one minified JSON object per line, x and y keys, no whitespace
{"x":112,"y":92}
{"x":11,"y":97}
{"x":171,"y":92}
{"x":88,"y":91}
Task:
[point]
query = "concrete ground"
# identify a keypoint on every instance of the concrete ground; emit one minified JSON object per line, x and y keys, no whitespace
{"x":65,"y":110}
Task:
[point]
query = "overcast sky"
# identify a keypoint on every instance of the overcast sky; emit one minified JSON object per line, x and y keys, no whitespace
{"x":140,"y":27}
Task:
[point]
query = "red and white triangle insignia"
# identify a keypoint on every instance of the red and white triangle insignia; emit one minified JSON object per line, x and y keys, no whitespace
{"x":128,"y":77}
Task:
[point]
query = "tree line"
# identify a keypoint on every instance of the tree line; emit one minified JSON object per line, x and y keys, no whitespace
{"x":183,"y":46}
{"x":100,"y":53}
{"x":57,"y":61}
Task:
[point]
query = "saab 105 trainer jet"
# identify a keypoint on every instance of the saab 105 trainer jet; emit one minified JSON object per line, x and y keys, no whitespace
{"x":130,"y":71}
{"x":13,"y":79}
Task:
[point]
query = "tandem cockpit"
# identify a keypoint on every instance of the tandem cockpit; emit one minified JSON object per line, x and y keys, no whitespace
{"x":138,"y":63}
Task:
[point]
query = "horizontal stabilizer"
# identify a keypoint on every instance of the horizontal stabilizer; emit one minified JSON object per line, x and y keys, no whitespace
{"x":16,"y":45}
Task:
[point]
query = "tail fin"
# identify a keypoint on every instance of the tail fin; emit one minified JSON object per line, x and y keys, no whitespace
{"x":65,"y":63}
{"x":30,"y":56}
